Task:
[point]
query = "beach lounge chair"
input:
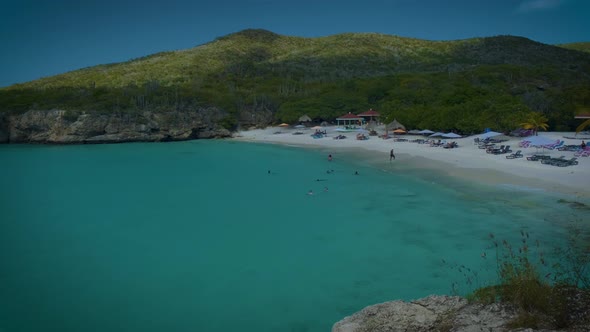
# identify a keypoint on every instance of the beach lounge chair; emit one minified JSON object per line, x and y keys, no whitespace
{"x":502,"y":150}
{"x":563,"y":163}
{"x":552,"y":161}
{"x":537,"y":157}
{"x":583,"y":153}
{"x":493,"y":149}
{"x":517,"y":154}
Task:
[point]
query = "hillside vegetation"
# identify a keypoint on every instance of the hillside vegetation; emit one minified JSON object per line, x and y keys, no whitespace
{"x":584,"y":47}
{"x":256,"y":74}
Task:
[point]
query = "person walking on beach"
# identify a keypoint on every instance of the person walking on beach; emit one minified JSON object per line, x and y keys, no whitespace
{"x":391,"y":155}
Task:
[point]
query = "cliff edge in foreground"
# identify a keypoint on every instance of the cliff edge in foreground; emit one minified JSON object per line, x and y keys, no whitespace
{"x":435,"y":313}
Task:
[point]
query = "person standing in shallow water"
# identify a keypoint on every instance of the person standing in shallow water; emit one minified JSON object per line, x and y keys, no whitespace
{"x":329,"y":157}
{"x":391,"y":155}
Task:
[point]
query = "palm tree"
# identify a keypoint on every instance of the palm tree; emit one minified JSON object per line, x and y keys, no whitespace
{"x":535,"y":122}
{"x":583,"y":126}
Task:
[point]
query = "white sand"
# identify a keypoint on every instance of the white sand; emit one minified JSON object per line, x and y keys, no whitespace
{"x":467,"y":161}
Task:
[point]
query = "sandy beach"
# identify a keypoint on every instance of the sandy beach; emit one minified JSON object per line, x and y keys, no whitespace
{"x":467,"y":161}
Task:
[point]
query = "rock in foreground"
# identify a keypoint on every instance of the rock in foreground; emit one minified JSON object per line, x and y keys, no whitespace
{"x":433,"y":313}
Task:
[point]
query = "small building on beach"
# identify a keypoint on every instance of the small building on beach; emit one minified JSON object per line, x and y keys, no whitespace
{"x":370,"y":115}
{"x":349,"y":120}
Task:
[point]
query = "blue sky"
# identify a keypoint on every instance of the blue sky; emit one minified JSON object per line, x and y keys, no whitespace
{"x":47,"y":37}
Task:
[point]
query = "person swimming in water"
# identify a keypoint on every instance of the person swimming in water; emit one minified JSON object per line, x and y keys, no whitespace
{"x":329,"y":157}
{"x":310,"y":192}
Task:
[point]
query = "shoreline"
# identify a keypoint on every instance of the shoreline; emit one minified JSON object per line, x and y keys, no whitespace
{"x":467,"y":162}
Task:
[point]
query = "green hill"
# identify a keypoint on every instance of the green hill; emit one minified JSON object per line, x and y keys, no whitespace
{"x":256,"y":74}
{"x":583,"y":47}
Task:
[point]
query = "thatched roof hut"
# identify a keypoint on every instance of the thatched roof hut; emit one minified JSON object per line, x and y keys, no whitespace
{"x":395,"y":125}
{"x":304,"y":118}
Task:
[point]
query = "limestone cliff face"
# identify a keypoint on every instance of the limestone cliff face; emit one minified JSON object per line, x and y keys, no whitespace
{"x":61,"y":127}
{"x":4,"y":133}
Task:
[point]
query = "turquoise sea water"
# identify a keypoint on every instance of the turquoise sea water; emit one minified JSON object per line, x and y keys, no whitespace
{"x":198,"y":236}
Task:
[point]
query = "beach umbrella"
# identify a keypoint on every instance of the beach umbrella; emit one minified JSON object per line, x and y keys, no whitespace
{"x":284,"y":125}
{"x":539,"y":141}
{"x":489,"y":134}
{"x":414,"y":131}
{"x":316,"y":128}
{"x":436,"y":134}
{"x":399,"y":131}
{"x":299,"y":126}
{"x":451,"y":135}
{"x":425,"y":132}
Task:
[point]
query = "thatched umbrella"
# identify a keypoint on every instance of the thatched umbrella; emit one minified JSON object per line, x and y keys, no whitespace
{"x":304,"y":118}
{"x":395,"y":125}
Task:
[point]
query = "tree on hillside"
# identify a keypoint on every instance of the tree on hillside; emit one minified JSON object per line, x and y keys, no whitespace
{"x":535,"y":121}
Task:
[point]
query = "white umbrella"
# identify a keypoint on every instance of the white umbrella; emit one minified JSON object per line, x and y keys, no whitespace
{"x":539,"y":141}
{"x":489,"y":134}
{"x":451,"y":135}
{"x":299,"y":126}
{"x":436,"y":134}
{"x":426,"y":131}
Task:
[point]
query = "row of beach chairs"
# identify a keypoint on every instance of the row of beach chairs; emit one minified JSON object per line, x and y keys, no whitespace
{"x":559,"y":162}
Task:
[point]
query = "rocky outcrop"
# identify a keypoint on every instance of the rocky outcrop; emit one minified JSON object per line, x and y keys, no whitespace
{"x":4,"y":131}
{"x":433,"y":313}
{"x":67,"y":127}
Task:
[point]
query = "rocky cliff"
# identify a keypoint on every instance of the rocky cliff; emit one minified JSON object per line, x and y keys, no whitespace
{"x":435,"y":313}
{"x":68,"y":127}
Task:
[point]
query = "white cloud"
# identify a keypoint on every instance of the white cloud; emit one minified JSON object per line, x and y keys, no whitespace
{"x":533,"y":5}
